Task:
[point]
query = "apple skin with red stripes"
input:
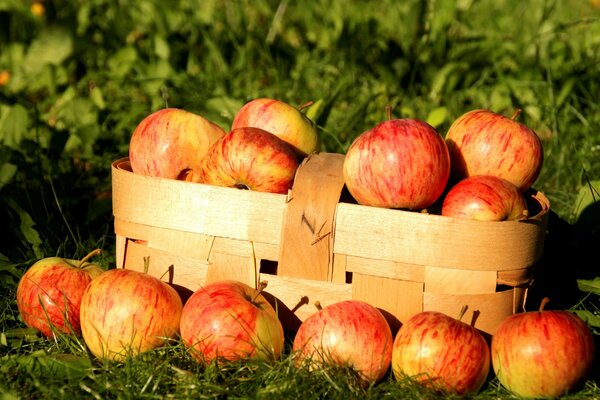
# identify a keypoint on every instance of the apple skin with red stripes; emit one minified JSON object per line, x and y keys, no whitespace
{"x":170,"y":142}
{"x":126,"y":312}
{"x":249,"y":158}
{"x":349,"y":333}
{"x":442,"y":353}
{"x":485,"y":198}
{"x":399,"y":163}
{"x":50,"y":291}
{"x":482,"y":142}
{"x":542,"y":354}
{"x":283,"y":120}
{"x":229,"y":320}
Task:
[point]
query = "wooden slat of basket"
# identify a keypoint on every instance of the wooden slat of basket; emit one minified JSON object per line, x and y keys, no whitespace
{"x":306,"y":247}
{"x":192,"y":244}
{"x":452,"y":280}
{"x":198,"y":208}
{"x":420,"y":239}
{"x":486,"y":310}
{"x":397,"y":297}
{"x":232,"y":267}
{"x":299,"y":295}
{"x":385,"y":268}
{"x":188,"y":272}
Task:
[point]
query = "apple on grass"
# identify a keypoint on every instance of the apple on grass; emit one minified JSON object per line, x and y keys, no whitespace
{"x":399,"y":163}
{"x":482,"y":142}
{"x":126,"y":312}
{"x":169,"y":143}
{"x":281,"y":119}
{"x":348,"y":333}
{"x":229,"y":321}
{"x":49,"y":293}
{"x":249,"y":158}
{"x":442,"y":353}
{"x":542,"y":354}
{"x":485,"y":198}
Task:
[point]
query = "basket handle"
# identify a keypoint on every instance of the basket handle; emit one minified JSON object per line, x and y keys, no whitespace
{"x":306,"y":247}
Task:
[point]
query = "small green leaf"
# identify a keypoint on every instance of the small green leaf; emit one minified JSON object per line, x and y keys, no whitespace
{"x":54,"y":365}
{"x":51,"y":47}
{"x":589,"y":285}
{"x":161,"y":47}
{"x":437,"y":116}
{"x":587,"y":204}
{"x":27,"y":225}
{"x":592,"y":319}
{"x":14,"y":122}
{"x":7,"y":172}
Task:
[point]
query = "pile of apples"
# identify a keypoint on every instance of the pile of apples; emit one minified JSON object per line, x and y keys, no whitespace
{"x":267,"y":140}
{"x":121,"y":313}
{"x":480,"y":170}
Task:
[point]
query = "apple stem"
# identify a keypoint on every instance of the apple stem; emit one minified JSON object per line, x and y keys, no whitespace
{"x":516,"y":114}
{"x":171,"y":271}
{"x":543,"y":303}
{"x":462,"y":312}
{"x":318,"y":305}
{"x":146,"y":264}
{"x":305,"y":105}
{"x":91,"y":254}
{"x":261,"y":286}
{"x":388,"y":112}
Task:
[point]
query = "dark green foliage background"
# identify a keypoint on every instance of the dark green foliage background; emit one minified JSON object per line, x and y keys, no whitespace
{"x":76,"y":79}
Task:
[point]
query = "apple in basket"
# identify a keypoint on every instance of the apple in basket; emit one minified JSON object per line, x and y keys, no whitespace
{"x":287,"y":122}
{"x":50,"y":291}
{"x":442,"y":353}
{"x":169,"y":143}
{"x":542,"y":354}
{"x":399,"y":163}
{"x":482,"y":142}
{"x":348,"y":333}
{"x":485,"y":198}
{"x":249,"y":158}
{"x":126,"y":312}
{"x":230,"y":320}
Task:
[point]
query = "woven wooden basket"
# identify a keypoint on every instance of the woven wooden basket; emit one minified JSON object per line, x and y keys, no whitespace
{"x":312,"y":245}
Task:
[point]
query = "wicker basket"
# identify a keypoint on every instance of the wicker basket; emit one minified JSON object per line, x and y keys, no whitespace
{"x":311,"y":245}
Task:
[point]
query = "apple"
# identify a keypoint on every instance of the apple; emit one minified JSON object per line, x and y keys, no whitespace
{"x":249,"y":158}
{"x":281,"y":119}
{"x":229,"y":320}
{"x":399,"y":163}
{"x":349,"y":333}
{"x":49,"y":293}
{"x":542,"y":354}
{"x":126,"y":312}
{"x":442,"y":353}
{"x":482,"y":142}
{"x":169,"y":143}
{"x":485,"y":198}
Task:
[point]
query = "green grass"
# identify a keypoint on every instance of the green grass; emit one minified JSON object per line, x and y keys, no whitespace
{"x":79,"y":77}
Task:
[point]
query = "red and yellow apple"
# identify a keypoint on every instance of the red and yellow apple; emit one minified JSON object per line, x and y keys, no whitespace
{"x":399,"y":163}
{"x":442,"y":353}
{"x":281,"y":119}
{"x":485,"y":198}
{"x":348,"y":333}
{"x":169,"y":143}
{"x":542,"y":354}
{"x":230,"y":320}
{"x":49,"y":293}
{"x":249,"y":158}
{"x":126,"y":312}
{"x":482,"y":142}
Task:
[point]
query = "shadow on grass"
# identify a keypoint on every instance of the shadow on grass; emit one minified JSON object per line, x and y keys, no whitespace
{"x":569,"y":251}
